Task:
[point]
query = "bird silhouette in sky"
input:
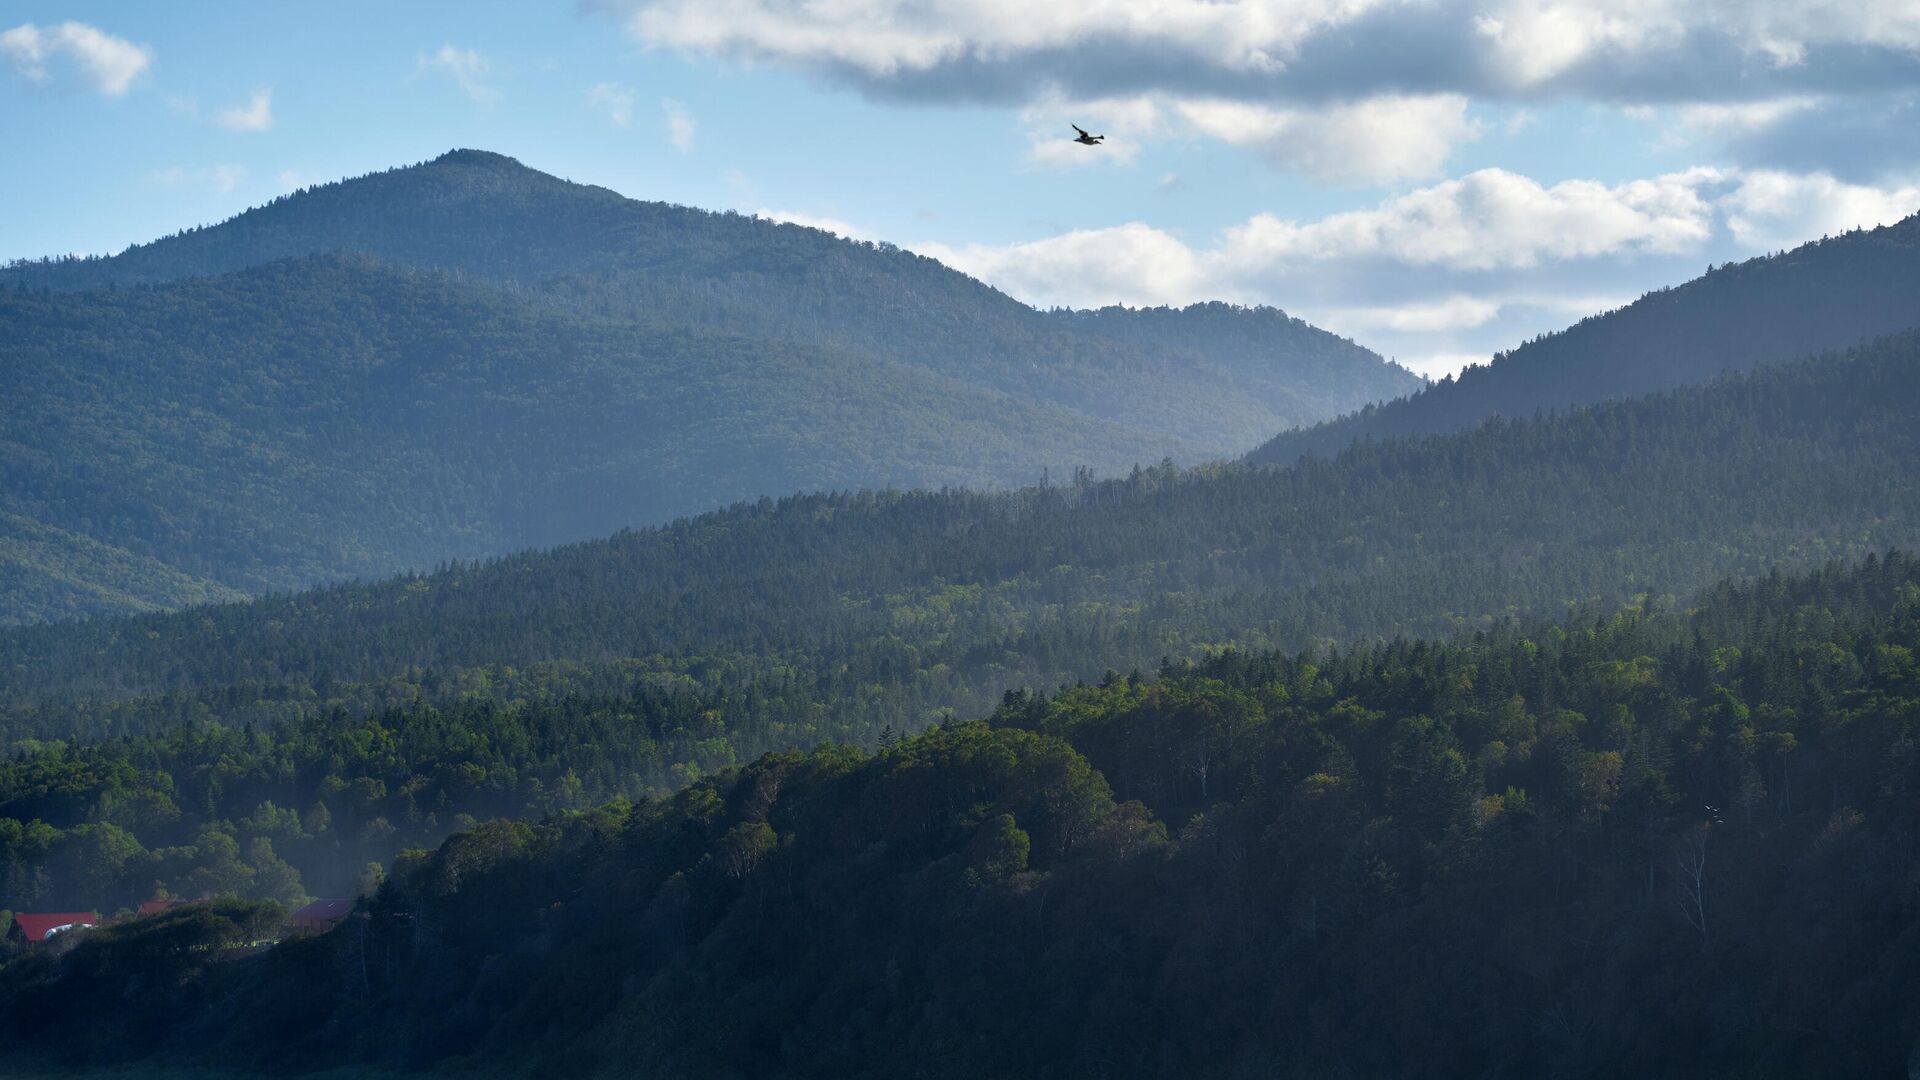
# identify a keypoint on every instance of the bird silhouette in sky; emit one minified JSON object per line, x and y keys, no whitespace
{"x":1086,"y":139}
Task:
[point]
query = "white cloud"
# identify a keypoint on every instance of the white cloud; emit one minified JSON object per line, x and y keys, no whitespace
{"x":815,"y":221}
{"x":1347,"y":49}
{"x":220,"y":178}
{"x":1366,"y":92}
{"x":1489,"y":226}
{"x":1437,"y":365}
{"x":883,"y":38}
{"x":1493,"y":219}
{"x":1375,"y":141}
{"x":616,"y":99}
{"x":1482,"y":262}
{"x":465,"y":67}
{"x":109,"y":63}
{"x":1128,"y":264}
{"x":680,"y":124}
{"x":1487,"y":222}
{"x":1771,"y":210}
{"x":1456,"y":312}
{"x":255,"y":115}
{"x":1724,"y":119}
{"x":1533,"y":42}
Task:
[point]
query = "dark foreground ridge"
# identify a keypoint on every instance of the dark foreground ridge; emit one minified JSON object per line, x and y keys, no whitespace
{"x":1586,"y":850}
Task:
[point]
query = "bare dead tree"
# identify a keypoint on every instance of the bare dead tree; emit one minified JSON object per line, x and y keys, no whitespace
{"x":1690,"y":877}
{"x":1200,"y":758}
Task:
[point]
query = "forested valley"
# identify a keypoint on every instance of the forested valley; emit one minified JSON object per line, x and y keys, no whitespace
{"x":276,"y":748}
{"x":1651,"y":842}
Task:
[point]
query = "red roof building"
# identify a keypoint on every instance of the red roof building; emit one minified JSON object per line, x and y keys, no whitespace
{"x":38,"y":927}
{"x":321,"y":915}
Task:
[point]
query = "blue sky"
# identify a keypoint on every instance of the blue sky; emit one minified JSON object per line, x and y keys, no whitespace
{"x":1437,"y":179}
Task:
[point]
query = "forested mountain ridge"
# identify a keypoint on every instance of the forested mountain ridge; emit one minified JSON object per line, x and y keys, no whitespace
{"x":487,"y":215}
{"x":234,"y":408}
{"x":1583,"y":849}
{"x":1823,"y":295}
{"x":334,"y":416}
{"x":1805,"y":460}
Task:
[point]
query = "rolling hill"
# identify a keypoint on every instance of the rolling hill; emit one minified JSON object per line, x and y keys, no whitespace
{"x":1824,"y":295}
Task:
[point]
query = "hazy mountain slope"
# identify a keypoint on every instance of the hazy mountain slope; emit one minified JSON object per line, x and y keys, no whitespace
{"x":487,"y":215}
{"x":1824,"y":295}
{"x":328,"y":417}
{"x":893,"y":605}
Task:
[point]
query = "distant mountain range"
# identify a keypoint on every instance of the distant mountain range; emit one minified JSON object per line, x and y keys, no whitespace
{"x":1824,"y":295}
{"x":468,"y":356}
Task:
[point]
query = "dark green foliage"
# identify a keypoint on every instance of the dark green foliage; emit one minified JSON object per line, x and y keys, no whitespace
{"x":344,"y":725}
{"x":1799,"y":463}
{"x":1828,"y":294}
{"x":1410,"y":859}
{"x":123,"y":991}
{"x":503,"y":359}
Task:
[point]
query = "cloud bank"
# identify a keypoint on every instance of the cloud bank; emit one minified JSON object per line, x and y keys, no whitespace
{"x":1307,"y":50}
{"x":1450,"y":271}
{"x":1363,"y":92}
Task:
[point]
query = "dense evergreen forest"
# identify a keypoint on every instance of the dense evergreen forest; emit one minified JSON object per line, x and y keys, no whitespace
{"x":324,"y":730}
{"x":1652,"y":842}
{"x":1828,"y":294}
{"x":467,"y":357}
{"x":334,"y":416}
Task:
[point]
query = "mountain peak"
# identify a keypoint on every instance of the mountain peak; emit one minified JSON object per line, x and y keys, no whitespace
{"x":482,"y":158}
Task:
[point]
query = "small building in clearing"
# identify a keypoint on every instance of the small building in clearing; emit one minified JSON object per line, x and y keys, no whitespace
{"x":36,"y":927}
{"x":320,"y":916}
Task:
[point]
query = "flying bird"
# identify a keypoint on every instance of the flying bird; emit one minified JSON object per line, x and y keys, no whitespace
{"x":1086,"y":139}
